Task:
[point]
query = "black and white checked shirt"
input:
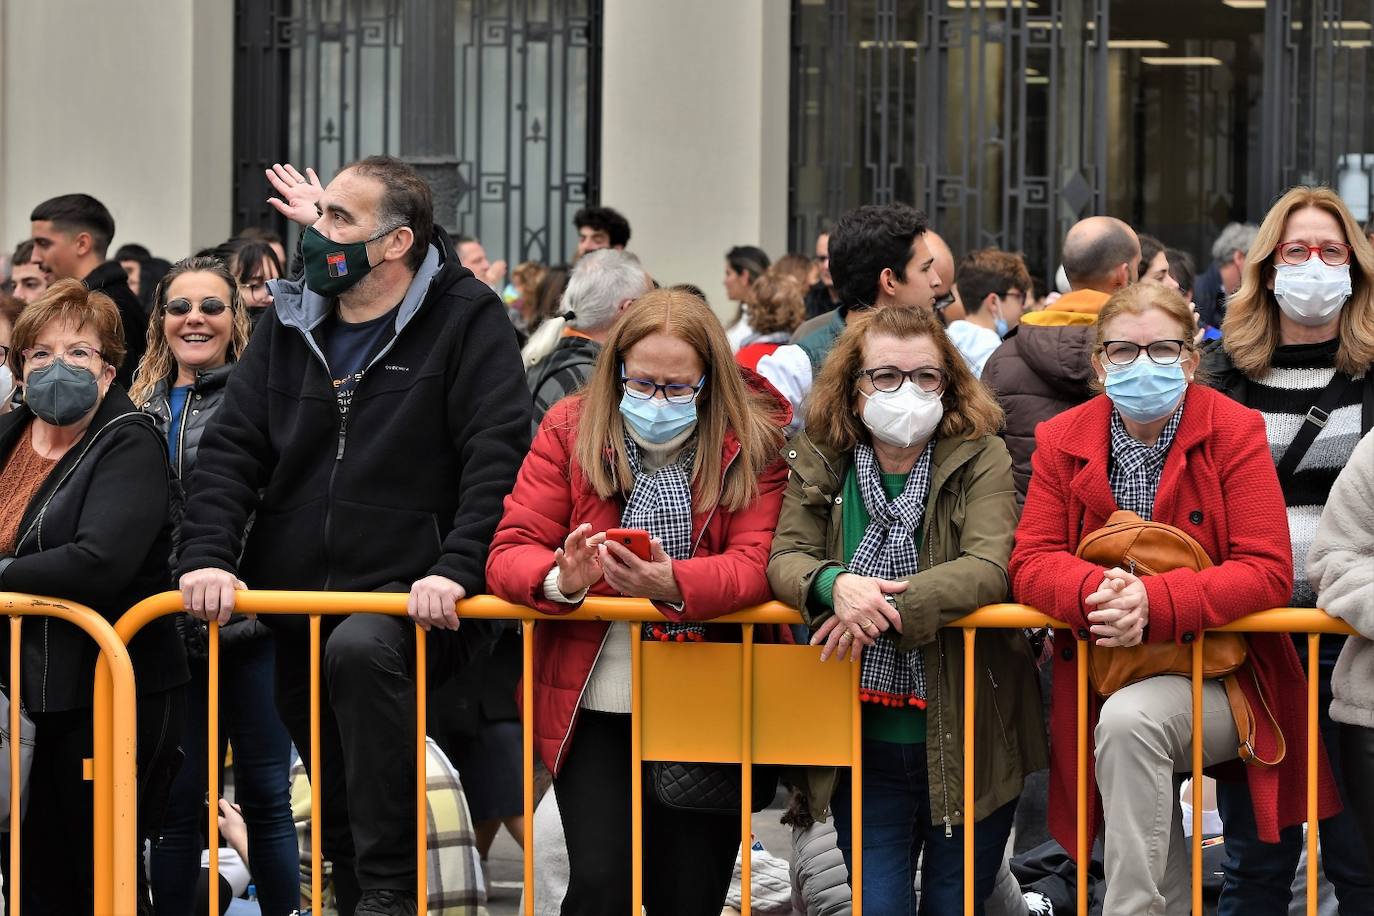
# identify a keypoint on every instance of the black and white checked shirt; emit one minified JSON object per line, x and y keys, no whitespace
{"x":1135,"y":468}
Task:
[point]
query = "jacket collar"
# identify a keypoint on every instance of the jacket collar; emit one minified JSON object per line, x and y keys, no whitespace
{"x":1091,"y":442}
{"x":206,"y":380}
{"x":821,"y":465}
{"x":302,"y":308}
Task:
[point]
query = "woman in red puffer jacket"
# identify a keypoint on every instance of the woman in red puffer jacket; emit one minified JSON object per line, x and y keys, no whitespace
{"x":671,"y":437}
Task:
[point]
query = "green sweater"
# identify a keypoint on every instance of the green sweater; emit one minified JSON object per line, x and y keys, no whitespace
{"x":894,"y":724}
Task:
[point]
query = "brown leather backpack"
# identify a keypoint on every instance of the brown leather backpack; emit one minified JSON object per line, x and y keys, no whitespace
{"x":1152,"y":548}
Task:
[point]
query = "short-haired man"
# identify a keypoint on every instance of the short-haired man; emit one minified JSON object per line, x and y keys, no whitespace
{"x":28,"y":276}
{"x":601,"y":287}
{"x":473,"y":256}
{"x":1222,"y":276}
{"x":993,"y":287}
{"x":71,"y":234}
{"x":371,"y":431}
{"x":600,"y":227}
{"x":1043,"y":368}
{"x":879,"y":256}
{"x":821,"y":297}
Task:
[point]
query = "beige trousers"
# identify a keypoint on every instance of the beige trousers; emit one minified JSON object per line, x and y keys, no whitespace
{"x":1144,"y":736}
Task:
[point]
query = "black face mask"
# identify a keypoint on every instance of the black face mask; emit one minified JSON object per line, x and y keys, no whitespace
{"x":61,"y":394}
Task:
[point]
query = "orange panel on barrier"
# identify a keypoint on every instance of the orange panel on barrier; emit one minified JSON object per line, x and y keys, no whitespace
{"x":707,"y":729}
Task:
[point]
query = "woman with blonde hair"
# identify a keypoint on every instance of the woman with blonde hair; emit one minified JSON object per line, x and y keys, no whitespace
{"x":670,"y":437}
{"x":898,"y":519}
{"x":1298,"y":345}
{"x":198,"y":328}
{"x":1174,"y":452}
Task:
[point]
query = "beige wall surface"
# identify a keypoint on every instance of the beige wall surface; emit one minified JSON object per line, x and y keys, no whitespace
{"x":694,"y":131}
{"x":128,"y":100}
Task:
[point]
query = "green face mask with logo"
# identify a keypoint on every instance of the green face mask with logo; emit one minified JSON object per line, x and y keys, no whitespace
{"x":332,"y":268}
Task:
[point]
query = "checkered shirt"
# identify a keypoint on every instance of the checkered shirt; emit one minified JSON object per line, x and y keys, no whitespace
{"x":1135,"y":468}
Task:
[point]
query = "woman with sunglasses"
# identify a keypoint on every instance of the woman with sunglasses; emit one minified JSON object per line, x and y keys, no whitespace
{"x":198,"y":328}
{"x":898,"y":519}
{"x":1172,"y":451}
{"x":671,"y":437}
{"x":1298,"y":346}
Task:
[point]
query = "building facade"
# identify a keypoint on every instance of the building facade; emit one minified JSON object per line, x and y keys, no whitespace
{"x":709,"y":124}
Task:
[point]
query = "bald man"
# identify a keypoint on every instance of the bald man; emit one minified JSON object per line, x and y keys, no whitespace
{"x":1042,"y":368}
{"x":880,"y":256}
{"x":948,"y":306}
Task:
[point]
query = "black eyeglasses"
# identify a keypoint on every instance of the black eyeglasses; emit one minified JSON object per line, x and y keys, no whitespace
{"x":890,"y":378}
{"x":943,"y":302}
{"x":1161,"y":352}
{"x":644,"y":389}
{"x":208,"y":307}
{"x":4,"y":354}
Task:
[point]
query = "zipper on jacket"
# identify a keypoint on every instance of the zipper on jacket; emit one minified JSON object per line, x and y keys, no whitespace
{"x":181,"y":432}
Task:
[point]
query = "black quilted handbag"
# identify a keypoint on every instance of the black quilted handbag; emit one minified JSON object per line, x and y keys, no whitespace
{"x":709,"y":788}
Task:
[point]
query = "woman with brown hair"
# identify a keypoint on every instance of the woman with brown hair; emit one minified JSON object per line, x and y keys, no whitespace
{"x":84,"y":496}
{"x":671,"y":437}
{"x":777,"y":306}
{"x":1298,"y":346}
{"x":1172,"y":451}
{"x":898,"y":519}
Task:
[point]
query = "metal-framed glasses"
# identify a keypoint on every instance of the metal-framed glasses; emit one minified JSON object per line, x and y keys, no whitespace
{"x":4,"y":354}
{"x":79,"y":355}
{"x":208,"y":307}
{"x":674,"y":393}
{"x":890,"y":378}
{"x":943,"y":302}
{"x":1333,"y":254}
{"x":1160,"y":352}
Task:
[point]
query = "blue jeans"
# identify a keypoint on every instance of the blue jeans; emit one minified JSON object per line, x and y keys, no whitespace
{"x":1258,"y":877}
{"x":262,"y":762}
{"x":897,"y":827}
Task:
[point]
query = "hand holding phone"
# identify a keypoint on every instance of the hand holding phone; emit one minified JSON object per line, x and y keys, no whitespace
{"x":636,"y":540}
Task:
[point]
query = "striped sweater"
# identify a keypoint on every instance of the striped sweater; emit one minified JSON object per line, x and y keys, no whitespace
{"x":1283,"y":395}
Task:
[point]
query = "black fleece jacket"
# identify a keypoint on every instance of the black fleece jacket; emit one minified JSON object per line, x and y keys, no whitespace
{"x":411,"y":485}
{"x":97,"y":532}
{"x":110,"y":279}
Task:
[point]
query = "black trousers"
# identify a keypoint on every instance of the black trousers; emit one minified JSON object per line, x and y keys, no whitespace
{"x":689,"y":858}
{"x":57,"y":862}
{"x":367,"y":736}
{"x":1357,"y":754}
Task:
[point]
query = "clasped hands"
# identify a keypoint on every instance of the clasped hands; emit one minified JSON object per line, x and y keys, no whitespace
{"x":862,"y":614}
{"x":586,"y":558}
{"x":1119,"y":610}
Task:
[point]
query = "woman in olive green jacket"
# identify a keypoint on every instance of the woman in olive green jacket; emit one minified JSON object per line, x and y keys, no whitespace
{"x":898,"y":519}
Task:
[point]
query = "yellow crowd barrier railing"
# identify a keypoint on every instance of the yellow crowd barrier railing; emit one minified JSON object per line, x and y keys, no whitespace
{"x":744,"y":698}
{"x":1279,"y":620}
{"x":742,"y":713}
{"x":112,"y":767}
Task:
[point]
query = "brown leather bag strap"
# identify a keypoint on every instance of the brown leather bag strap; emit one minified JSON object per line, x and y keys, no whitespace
{"x":1245,"y":723}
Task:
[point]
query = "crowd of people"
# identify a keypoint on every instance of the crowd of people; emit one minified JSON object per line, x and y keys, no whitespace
{"x":884,"y":435}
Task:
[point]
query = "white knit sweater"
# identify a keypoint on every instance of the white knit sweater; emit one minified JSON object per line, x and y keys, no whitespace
{"x":1341,"y":569}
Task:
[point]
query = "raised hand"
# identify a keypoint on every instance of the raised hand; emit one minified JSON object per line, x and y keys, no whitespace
{"x":579,"y":566}
{"x":300,"y":194}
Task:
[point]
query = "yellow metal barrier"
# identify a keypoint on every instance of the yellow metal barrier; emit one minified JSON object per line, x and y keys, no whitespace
{"x":113,"y":769}
{"x":743,"y":713}
{"x":1279,"y":620}
{"x":748,"y":720}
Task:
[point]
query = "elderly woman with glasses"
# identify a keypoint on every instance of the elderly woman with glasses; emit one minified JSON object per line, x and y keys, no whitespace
{"x":1298,"y":346}
{"x":672,"y":438}
{"x":897,"y":520}
{"x":1172,"y":451}
{"x":84,"y":497}
{"x":198,"y":329}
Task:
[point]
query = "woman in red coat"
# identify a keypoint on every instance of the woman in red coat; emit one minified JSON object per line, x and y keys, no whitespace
{"x":1177,"y":453}
{"x":667,"y":437}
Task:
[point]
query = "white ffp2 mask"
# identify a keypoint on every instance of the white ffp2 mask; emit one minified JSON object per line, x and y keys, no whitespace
{"x":1313,"y":292}
{"x":903,"y":417}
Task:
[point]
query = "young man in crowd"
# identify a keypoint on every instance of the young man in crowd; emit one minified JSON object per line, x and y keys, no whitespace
{"x":71,"y":234}
{"x":600,"y":227}
{"x":28,"y":276}
{"x":371,"y":432}
{"x":993,"y":287}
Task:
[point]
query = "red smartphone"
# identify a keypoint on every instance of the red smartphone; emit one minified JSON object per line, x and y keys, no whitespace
{"x":635,"y":539}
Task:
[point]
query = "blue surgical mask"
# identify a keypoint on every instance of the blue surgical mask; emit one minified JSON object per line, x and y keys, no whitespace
{"x":1145,"y":391}
{"x":657,"y":420}
{"x":1000,"y":325}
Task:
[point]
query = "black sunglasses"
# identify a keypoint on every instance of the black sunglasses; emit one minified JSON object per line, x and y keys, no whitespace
{"x":182,"y":307}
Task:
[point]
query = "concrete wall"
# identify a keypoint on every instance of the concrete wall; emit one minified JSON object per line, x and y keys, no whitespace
{"x":694,"y":131}
{"x":128,"y":100}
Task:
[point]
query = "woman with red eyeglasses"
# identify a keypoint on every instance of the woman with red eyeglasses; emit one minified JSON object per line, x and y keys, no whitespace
{"x":1298,"y":345}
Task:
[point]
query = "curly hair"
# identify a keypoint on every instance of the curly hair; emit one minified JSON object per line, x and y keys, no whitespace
{"x":777,"y":303}
{"x":832,"y":413}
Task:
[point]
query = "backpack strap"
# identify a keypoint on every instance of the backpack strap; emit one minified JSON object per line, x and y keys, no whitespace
{"x":1245,"y":722}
